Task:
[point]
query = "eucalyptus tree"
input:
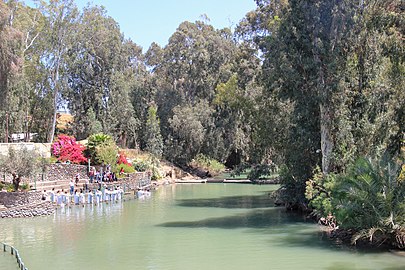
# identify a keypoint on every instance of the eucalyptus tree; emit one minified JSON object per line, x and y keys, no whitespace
{"x":153,"y":137}
{"x":93,"y":61}
{"x":374,"y":81}
{"x":186,"y":73}
{"x":56,"y":41}
{"x":24,"y":100}
{"x":333,"y":69}
{"x":10,"y":61}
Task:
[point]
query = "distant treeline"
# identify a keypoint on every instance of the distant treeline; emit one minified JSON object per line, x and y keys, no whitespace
{"x":298,"y":83}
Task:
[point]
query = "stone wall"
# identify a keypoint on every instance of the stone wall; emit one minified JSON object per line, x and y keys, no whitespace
{"x":15,"y":199}
{"x":24,"y":204}
{"x":61,"y":171}
{"x":29,"y":210}
{"x":54,"y":172}
{"x":44,"y":149}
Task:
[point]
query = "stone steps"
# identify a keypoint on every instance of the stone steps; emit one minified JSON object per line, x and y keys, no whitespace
{"x":57,"y":185}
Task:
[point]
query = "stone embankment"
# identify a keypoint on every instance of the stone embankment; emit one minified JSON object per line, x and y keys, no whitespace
{"x":24,"y":204}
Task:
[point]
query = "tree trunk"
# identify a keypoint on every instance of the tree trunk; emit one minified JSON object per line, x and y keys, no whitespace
{"x":326,"y":138}
{"x":16,"y":181}
{"x":55,"y":102}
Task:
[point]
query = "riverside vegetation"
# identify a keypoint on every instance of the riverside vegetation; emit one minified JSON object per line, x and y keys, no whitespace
{"x":311,"y":89}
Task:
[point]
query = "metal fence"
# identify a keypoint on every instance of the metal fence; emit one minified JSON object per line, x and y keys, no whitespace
{"x":15,"y":253}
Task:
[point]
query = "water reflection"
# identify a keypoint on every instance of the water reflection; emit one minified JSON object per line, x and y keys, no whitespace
{"x":263,"y":218}
{"x":258,"y":201}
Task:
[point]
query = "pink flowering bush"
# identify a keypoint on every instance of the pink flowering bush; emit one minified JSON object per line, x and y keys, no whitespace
{"x":65,"y":148}
{"x":122,"y":159}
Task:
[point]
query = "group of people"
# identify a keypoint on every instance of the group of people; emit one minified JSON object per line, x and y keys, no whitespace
{"x":81,"y":197}
{"x":102,"y":176}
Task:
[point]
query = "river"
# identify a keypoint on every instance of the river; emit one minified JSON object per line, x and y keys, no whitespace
{"x":203,"y":226}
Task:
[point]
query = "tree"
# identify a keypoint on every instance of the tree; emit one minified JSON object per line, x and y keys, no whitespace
{"x":98,"y":77}
{"x":153,"y":138}
{"x":19,"y":163}
{"x":187,"y":132}
{"x":61,"y":16}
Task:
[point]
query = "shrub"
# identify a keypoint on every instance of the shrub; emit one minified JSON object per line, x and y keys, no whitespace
{"x":101,"y":149}
{"x":206,"y":163}
{"x":107,"y":154}
{"x":96,"y":140}
{"x":125,"y":167}
{"x":25,"y":186}
{"x":122,"y":159}
{"x":65,"y":148}
{"x":151,"y":164}
{"x":140,"y":165}
{"x":368,"y":198}
{"x":10,"y":188}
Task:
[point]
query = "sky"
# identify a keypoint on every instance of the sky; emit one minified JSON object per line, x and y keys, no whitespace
{"x":147,"y":21}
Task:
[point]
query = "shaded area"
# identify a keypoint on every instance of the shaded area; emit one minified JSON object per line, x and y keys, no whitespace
{"x":253,"y":219}
{"x":247,"y":202}
{"x":349,"y":266}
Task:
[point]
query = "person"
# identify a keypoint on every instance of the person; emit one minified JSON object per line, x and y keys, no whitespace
{"x":52,"y":195}
{"x":86,"y":185}
{"x":77,"y":178}
{"x":89,"y":197}
{"x":43,"y":195}
{"x":59,"y":198}
{"x":82,"y":198}
{"x":91,"y":175}
{"x":77,"y":198}
{"x":72,"y":187}
{"x":121,"y":171}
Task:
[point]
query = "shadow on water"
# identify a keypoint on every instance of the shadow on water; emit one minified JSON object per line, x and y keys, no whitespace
{"x":349,"y":266}
{"x":246,"y":202}
{"x":258,"y":219}
{"x":290,"y":229}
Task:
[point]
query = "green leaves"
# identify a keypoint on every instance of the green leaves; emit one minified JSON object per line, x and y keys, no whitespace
{"x":102,"y":149}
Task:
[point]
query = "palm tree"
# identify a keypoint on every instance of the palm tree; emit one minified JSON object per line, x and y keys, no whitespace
{"x":370,"y":198}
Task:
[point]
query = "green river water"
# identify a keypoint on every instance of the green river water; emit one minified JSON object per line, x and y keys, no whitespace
{"x":203,"y":226}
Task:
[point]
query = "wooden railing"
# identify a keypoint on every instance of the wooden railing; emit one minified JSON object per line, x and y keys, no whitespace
{"x":15,"y":253}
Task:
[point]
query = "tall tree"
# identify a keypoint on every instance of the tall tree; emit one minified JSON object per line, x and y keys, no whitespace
{"x":61,"y":18}
{"x":153,"y":138}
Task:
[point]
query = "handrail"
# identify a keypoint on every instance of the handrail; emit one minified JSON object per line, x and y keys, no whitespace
{"x":15,"y":252}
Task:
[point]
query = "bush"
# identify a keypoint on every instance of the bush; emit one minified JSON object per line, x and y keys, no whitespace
{"x":203,"y":162}
{"x":368,"y":199}
{"x":101,"y":148}
{"x":10,"y":188}
{"x":125,"y":167}
{"x":65,"y":148}
{"x":25,"y":186}
{"x":152,"y":165}
{"x":96,"y":140}
{"x":140,"y":165}
{"x":122,"y":159}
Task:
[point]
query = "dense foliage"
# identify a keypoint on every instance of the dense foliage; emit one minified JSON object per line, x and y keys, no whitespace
{"x":308,"y":87}
{"x":66,"y":149}
{"x":19,"y":163}
{"x":369,"y":198}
